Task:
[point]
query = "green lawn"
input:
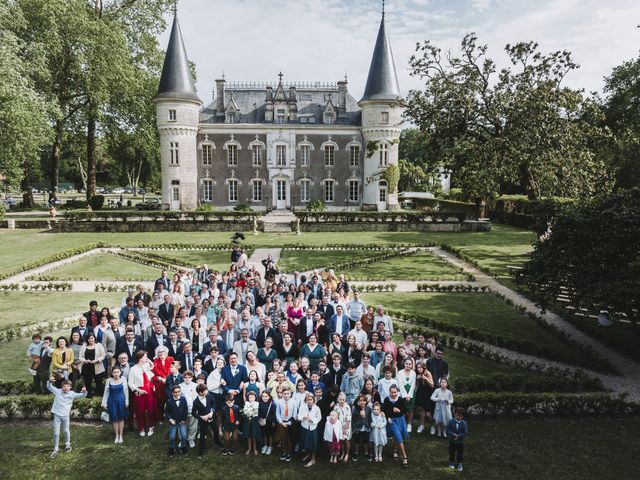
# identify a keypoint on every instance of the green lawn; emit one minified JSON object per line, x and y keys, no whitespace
{"x":485,"y":312}
{"x":522,"y":449}
{"x":216,"y":260}
{"x":105,"y":267}
{"x":422,"y":266}
{"x":502,"y":246}
{"x":305,"y":260}
{"x":18,"y":308}
{"x":13,"y":356}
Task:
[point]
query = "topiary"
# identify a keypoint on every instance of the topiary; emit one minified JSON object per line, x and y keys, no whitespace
{"x":96,"y":202}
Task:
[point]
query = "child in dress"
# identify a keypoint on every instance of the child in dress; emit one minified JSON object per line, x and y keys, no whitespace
{"x":333,"y":436}
{"x":344,"y":414}
{"x":251,"y":427}
{"x":309,"y":417}
{"x":378,"y":435}
{"x":267,"y":421}
{"x":116,"y":401}
{"x":443,"y":399}
{"x":230,"y":423}
{"x":361,"y":426}
{"x":457,"y":430}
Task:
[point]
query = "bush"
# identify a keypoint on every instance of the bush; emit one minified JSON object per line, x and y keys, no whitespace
{"x":519,"y":382}
{"x":3,"y":210}
{"x":317,"y":206}
{"x":205,"y":207}
{"x":242,"y":207}
{"x":96,"y":202}
{"x":72,"y":204}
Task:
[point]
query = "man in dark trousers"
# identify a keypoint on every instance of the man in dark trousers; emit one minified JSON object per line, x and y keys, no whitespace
{"x":204,"y":410}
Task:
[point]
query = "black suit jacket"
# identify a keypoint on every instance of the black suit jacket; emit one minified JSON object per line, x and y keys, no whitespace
{"x":333,"y":377}
{"x":164,"y":281}
{"x":122,"y":347}
{"x":206,"y":347}
{"x":327,"y":311}
{"x":199,"y":410}
{"x":262,"y":335}
{"x":178,"y":412}
{"x":302,"y":329}
{"x":165,"y":312}
{"x":182,"y":358}
{"x":178,"y":351}
{"x":152,"y":344}
{"x":87,"y":331}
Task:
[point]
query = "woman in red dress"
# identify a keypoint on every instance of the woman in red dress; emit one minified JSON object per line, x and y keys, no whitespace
{"x":161,"y":371}
{"x":143,"y":398}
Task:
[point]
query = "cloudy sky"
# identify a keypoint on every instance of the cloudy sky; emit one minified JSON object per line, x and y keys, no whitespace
{"x":321,"y":40}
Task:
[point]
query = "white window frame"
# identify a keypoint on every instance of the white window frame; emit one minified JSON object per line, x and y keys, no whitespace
{"x":329,"y":190}
{"x":174,"y":154}
{"x":354,"y":158}
{"x":207,"y":190}
{"x":305,"y":191}
{"x":232,"y":190}
{"x":257,"y":187}
{"x":256,"y":155}
{"x":305,"y":155}
{"x":207,"y":154}
{"x":329,"y":156}
{"x":384,"y":155}
{"x":281,"y":155}
{"x":354,"y":194}
{"x":232,"y":155}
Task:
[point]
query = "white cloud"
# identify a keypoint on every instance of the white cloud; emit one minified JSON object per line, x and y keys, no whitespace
{"x":318,"y":40}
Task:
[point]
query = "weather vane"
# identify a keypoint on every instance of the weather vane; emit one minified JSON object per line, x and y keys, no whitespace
{"x":382,"y":8}
{"x":175,"y":7}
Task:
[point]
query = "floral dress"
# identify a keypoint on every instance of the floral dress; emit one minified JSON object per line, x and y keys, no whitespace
{"x":344,"y":415}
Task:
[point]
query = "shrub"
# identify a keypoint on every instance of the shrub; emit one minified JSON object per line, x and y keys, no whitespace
{"x":96,"y":202}
{"x":243,"y":207}
{"x":70,"y":204}
{"x":317,"y":206}
{"x":205,"y":207}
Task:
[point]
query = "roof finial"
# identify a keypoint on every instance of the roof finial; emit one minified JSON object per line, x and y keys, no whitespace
{"x":383,"y":9}
{"x":175,"y":8}
{"x":280,"y":75}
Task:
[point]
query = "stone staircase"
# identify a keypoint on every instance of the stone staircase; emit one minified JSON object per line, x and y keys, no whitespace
{"x":278,"y":221}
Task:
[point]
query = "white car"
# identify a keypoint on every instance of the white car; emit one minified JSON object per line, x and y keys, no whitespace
{"x":118,"y":190}
{"x":9,"y":202}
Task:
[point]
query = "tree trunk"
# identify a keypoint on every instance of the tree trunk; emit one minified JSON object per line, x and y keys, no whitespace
{"x":529,"y":182}
{"x":55,"y":157}
{"x":27,"y":195}
{"x":91,"y":153}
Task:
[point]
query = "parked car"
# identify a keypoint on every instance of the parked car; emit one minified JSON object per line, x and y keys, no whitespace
{"x":153,"y":204}
{"x":118,"y":190}
{"x":10,"y":202}
{"x":141,"y":191}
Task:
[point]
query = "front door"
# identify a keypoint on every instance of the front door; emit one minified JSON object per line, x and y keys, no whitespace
{"x":382,"y":198}
{"x":281,"y":194}
{"x":175,"y":197}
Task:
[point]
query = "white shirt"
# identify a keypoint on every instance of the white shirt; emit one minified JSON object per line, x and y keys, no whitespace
{"x":189,"y":392}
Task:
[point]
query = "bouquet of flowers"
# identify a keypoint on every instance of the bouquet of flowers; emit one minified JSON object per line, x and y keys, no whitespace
{"x":250,"y":410}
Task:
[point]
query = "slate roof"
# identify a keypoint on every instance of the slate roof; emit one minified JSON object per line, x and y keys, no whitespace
{"x":176,"y":81}
{"x":382,"y":82}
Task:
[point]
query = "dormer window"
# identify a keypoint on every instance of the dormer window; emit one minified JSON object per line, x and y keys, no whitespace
{"x":172,"y":115}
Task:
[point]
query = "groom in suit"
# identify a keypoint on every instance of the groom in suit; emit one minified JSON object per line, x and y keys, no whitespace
{"x":234,"y":375}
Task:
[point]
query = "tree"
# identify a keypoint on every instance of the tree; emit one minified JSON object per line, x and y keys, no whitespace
{"x":23,"y":111}
{"x":591,"y":254}
{"x":419,"y":165}
{"x":519,"y":125}
{"x":622,"y":111}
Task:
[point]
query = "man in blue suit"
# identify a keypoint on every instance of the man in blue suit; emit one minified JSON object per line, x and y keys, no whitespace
{"x":214,"y":340}
{"x":339,"y":323}
{"x":176,"y":412}
{"x":234,"y":375}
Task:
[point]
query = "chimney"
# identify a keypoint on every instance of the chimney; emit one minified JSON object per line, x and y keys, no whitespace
{"x":342,"y":96}
{"x":220,"y":96}
{"x":292,"y":93}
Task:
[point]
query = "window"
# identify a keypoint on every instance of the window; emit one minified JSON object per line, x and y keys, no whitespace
{"x":384,"y":155}
{"x":281,"y":155}
{"x":329,"y":190}
{"x":233,"y":190}
{"x":354,"y":191}
{"x":232,"y":155}
{"x":173,"y":150}
{"x":172,"y":115}
{"x":329,"y":155}
{"x":305,"y":190}
{"x":257,"y":155}
{"x":305,"y":155}
{"x":382,"y":191}
{"x":207,"y":190}
{"x":206,"y":155}
{"x":354,"y":155}
{"x":257,"y":191}
{"x":280,"y":115}
{"x":384,"y":118}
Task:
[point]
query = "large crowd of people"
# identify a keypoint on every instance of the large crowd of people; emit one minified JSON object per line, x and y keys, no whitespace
{"x":290,"y":365}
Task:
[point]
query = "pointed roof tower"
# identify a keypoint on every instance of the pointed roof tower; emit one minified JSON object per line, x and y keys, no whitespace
{"x":176,"y":81}
{"x":382,"y":82}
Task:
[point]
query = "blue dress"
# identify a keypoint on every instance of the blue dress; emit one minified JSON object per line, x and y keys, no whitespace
{"x":116,"y":407}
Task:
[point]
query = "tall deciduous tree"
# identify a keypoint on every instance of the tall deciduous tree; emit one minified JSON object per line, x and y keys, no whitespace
{"x":23,"y":111}
{"x":519,"y":125}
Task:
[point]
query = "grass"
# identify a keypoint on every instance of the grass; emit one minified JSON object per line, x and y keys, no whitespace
{"x":422,"y":266}
{"x":105,"y":267}
{"x":305,"y":260}
{"x":532,"y":448}
{"x":484,"y":312}
{"x":502,"y":246}
{"x":216,"y":260}
{"x":462,"y":364}
{"x":13,"y":356}
{"x":24,"y":308}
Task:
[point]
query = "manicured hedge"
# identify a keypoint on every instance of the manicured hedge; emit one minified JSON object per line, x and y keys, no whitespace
{"x":418,"y":216}
{"x":157,"y":215}
{"x":520,"y":382}
{"x":39,"y":406}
